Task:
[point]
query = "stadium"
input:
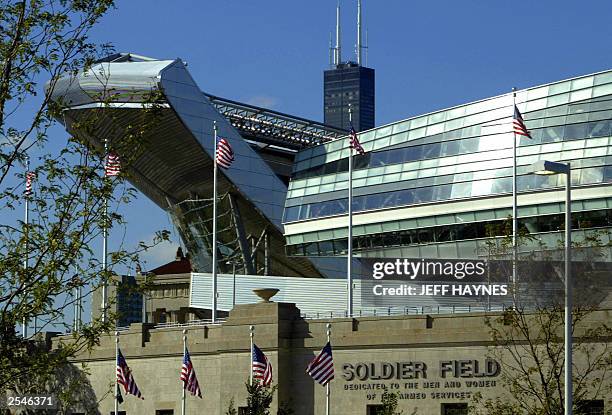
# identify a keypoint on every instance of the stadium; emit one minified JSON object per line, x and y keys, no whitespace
{"x":432,"y":186}
{"x":436,"y":186}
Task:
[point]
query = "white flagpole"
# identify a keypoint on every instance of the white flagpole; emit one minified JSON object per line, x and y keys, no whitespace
{"x":214,"y":232}
{"x":116,"y":380}
{"x":184,"y":352}
{"x":104,"y":245}
{"x":24,"y":324}
{"x":251,"y":334}
{"x":80,"y":309}
{"x":75,"y":296}
{"x":327,"y":391}
{"x":514,"y":205}
{"x":349,"y":254}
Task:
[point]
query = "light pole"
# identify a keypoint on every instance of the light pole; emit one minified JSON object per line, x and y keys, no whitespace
{"x":543,"y":167}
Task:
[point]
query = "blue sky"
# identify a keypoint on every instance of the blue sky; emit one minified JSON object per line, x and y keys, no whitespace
{"x":428,"y":55}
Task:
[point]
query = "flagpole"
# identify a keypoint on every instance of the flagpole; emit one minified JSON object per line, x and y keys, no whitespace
{"x":75,"y":297}
{"x":214,"y":241}
{"x":80,"y":310}
{"x":349,"y":254}
{"x":104,"y":244}
{"x":251,"y":334}
{"x":116,"y":379}
{"x":26,"y":220}
{"x":76,"y":293}
{"x":514,"y":207}
{"x":327,"y":391}
{"x":184,"y":353}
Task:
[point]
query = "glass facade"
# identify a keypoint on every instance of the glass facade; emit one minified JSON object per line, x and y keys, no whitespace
{"x":461,"y":154}
{"x":595,"y":219}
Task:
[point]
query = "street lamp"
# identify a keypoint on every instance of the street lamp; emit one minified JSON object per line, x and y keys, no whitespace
{"x":543,"y":167}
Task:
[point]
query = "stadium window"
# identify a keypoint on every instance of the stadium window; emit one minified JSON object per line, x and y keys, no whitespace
{"x":374,"y":409}
{"x":326,"y":248}
{"x":608,"y":174}
{"x":454,"y":409}
{"x":452,"y":232}
{"x":429,"y":322}
{"x":590,"y":407}
{"x":164,"y":412}
{"x":575,"y":131}
{"x":425,"y":236}
{"x":552,"y":134}
{"x":598,"y":129}
{"x":120,"y":413}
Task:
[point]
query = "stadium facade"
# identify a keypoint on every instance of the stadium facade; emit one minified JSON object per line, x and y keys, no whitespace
{"x":432,"y":186}
{"x":428,"y":186}
{"x":437,"y":364}
{"x":176,"y":170}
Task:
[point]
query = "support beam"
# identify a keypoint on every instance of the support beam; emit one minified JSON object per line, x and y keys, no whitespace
{"x":241,"y":235}
{"x":266,"y":253}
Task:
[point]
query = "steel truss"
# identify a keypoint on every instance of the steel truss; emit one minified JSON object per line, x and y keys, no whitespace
{"x":273,"y":127}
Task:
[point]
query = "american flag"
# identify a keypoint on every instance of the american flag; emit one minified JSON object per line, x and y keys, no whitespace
{"x":321,"y":368}
{"x":125,"y":378}
{"x":113,"y":165}
{"x":354,"y":142}
{"x":30,"y":176}
{"x":188,"y":376}
{"x":262,"y":368}
{"x":518,"y":124}
{"x":225,"y":154}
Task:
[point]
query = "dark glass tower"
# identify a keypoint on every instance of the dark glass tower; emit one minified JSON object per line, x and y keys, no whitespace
{"x":349,"y":83}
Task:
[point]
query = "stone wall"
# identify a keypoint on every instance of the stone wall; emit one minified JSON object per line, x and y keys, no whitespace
{"x":429,"y":360}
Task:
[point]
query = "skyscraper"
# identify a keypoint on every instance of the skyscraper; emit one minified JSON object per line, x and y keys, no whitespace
{"x":349,"y":83}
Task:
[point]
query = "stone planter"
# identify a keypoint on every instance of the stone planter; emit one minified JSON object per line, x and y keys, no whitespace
{"x":265,"y":294}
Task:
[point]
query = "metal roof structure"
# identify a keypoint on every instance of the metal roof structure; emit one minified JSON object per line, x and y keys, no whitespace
{"x":272,"y":127}
{"x":175,"y":169}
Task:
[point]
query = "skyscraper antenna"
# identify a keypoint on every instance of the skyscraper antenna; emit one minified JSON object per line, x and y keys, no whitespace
{"x":331,"y":50}
{"x":338,"y":57}
{"x":366,"y":48}
{"x":359,"y":32}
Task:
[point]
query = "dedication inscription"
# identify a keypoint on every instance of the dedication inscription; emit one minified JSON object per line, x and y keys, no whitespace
{"x":446,"y":379}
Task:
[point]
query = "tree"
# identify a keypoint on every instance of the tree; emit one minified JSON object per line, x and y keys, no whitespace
{"x":389,"y":404}
{"x":231,"y":409}
{"x":529,"y":337}
{"x":259,"y":398}
{"x":41,"y":262}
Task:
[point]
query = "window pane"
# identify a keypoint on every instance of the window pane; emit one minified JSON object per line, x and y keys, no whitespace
{"x":592,"y":175}
{"x":598,"y":129}
{"x":552,"y":134}
{"x":461,"y":190}
{"x":575,"y":131}
{"x":450,"y":148}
